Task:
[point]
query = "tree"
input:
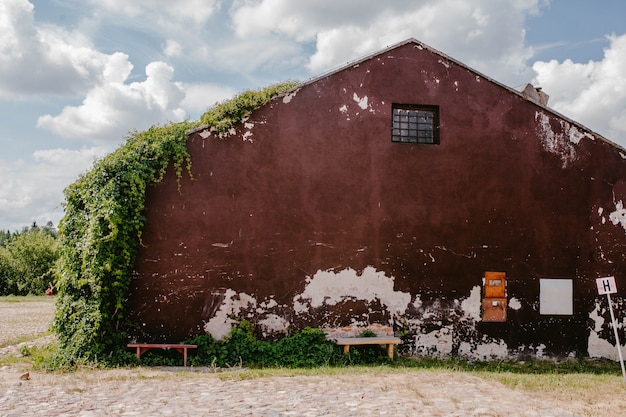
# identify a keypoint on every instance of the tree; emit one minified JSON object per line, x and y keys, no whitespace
{"x":6,"y":272}
{"x":5,"y":235}
{"x":27,"y":262}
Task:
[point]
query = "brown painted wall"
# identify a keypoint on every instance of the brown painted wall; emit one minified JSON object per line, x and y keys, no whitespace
{"x":312,"y":182}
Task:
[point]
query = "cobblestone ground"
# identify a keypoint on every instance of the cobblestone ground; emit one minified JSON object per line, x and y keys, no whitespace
{"x":23,"y":321}
{"x":161,"y":393}
{"x":196,"y":392}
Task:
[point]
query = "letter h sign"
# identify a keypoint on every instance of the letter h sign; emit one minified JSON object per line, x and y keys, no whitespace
{"x":606,"y":285}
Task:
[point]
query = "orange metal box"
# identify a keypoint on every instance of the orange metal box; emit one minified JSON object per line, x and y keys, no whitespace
{"x":495,"y":284}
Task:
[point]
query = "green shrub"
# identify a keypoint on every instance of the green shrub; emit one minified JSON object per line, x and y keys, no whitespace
{"x":27,"y":262}
{"x":303,"y":349}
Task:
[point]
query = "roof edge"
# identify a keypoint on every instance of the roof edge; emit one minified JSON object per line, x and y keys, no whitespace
{"x":456,"y":62}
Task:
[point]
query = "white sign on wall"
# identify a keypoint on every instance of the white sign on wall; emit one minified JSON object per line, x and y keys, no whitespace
{"x":606,"y":285}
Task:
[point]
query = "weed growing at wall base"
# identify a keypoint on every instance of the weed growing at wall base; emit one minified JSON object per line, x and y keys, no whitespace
{"x":307,"y":348}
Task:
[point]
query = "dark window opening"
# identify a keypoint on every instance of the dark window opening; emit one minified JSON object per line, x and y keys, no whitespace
{"x":415,"y":124}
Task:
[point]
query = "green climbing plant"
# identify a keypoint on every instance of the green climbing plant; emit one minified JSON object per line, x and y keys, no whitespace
{"x":100,"y":232}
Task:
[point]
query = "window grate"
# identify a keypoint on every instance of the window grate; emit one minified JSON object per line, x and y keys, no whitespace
{"x":415,"y":124}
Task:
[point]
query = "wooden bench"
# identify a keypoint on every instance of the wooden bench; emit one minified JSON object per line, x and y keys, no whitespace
{"x":346,"y":342}
{"x":144,"y":347}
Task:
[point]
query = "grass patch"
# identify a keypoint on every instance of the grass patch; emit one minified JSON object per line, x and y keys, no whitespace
{"x":23,"y":338}
{"x":33,"y":357}
{"x":570,"y":366}
{"x":26,"y":298}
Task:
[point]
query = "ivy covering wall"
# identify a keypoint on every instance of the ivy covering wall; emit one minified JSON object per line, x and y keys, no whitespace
{"x":100,"y":232}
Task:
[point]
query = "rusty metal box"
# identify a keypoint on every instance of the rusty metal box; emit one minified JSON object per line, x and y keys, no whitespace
{"x":494,"y":309}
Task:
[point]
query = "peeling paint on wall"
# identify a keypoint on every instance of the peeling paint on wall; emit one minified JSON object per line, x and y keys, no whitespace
{"x":619,"y":215}
{"x":220,"y":325}
{"x":288,"y":97}
{"x":273,"y":324}
{"x":361,"y":101}
{"x":598,"y":347}
{"x":471,"y":305}
{"x":514,"y":304}
{"x":329,"y":288}
{"x":486,"y":350}
{"x":560,"y":144}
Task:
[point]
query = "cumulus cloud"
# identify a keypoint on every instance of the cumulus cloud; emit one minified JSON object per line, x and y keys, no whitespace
{"x":593,"y":93}
{"x":112,"y":108}
{"x":31,"y":190}
{"x":200,"y":97}
{"x":36,"y":60}
{"x":486,"y":35}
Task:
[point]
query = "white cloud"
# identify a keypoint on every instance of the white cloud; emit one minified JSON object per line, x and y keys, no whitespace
{"x":32,"y":190}
{"x":593,"y":93}
{"x":112,"y":108}
{"x":200,"y":97}
{"x":486,"y":35}
{"x":172,"y":48}
{"x":36,"y":60}
{"x":164,"y":12}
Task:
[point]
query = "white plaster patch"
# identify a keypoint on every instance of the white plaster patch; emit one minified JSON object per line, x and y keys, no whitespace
{"x":560,"y":143}
{"x":435,"y":343}
{"x":343,"y":109}
{"x":619,"y":215}
{"x":247,"y":136}
{"x":222,"y":245}
{"x":288,"y":97}
{"x":514,"y":304}
{"x":445,"y":64}
{"x":219,"y":326}
{"x":471,"y":305}
{"x":596,"y":346}
{"x":205,"y":134}
{"x":273,"y":324}
{"x":266,"y":305}
{"x":492,"y":350}
{"x":540,"y":351}
{"x":361,"y":101}
{"x":418,"y":302}
{"x":330,"y":288}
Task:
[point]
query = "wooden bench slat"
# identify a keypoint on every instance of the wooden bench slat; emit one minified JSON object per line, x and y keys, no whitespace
{"x":367,"y":340}
{"x":179,"y":347}
{"x":161,"y":345}
{"x":346,"y":342}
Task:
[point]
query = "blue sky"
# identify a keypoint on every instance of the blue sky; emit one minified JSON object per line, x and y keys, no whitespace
{"x":77,"y":75}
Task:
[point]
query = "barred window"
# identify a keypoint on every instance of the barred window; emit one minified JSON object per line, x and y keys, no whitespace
{"x":415,"y":124}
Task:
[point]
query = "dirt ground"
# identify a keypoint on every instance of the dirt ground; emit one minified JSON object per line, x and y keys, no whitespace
{"x":195,"y":392}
